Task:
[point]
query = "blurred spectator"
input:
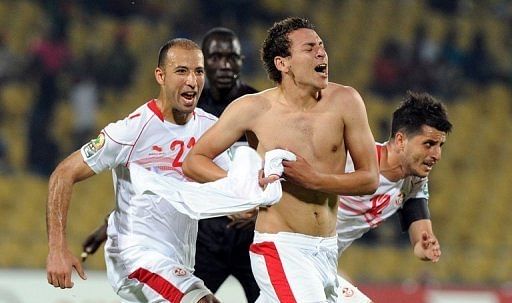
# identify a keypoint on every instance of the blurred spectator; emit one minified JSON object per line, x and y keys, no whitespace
{"x":5,"y":167}
{"x":388,"y":69}
{"x":9,"y":69}
{"x":479,"y":65}
{"x":450,"y":65}
{"x":9,"y":62}
{"x":119,"y":65}
{"x":84,"y":97}
{"x":49,"y":58}
{"x":449,"y":7}
{"x":422,"y":61}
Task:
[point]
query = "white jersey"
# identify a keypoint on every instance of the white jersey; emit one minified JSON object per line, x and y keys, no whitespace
{"x":140,"y":224}
{"x":145,"y":138}
{"x":358,"y":214}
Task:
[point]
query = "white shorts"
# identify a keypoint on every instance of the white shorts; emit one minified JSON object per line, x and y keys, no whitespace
{"x":153,"y":277}
{"x":348,"y":293}
{"x":150,"y":252}
{"x":291,"y":267}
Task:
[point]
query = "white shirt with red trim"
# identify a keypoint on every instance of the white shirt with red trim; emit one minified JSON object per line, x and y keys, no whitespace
{"x":145,"y":138}
{"x":358,"y":214}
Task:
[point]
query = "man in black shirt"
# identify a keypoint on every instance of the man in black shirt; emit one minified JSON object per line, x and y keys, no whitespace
{"x":222,"y":246}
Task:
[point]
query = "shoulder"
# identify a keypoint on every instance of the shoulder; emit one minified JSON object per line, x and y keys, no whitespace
{"x":127,"y":130}
{"x":343,"y":93}
{"x":255,"y":102}
{"x":203,"y":115}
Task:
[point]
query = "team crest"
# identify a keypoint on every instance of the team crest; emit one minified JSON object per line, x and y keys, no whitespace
{"x":347,"y":292}
{"x":424,"y":188}
{"x":94,"y":146}
{"x":180,"y":272}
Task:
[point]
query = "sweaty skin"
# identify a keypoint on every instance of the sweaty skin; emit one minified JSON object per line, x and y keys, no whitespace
{"x":313,"y":118}
{"x":309,"y":202}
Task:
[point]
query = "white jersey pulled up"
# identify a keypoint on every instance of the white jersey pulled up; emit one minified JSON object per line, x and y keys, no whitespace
{"x":358,"y":214}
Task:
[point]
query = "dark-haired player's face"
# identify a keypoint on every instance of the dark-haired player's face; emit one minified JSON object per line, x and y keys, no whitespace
{"x":223,"y":61}
{"x":308,"y":60}
{"x":422,"y":151}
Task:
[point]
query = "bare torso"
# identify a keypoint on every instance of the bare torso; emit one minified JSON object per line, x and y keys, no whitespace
{"x":316,"y":134}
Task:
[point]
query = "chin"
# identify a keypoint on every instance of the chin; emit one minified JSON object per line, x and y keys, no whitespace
{"x":324,"y":84}
{"x":224,"y":85}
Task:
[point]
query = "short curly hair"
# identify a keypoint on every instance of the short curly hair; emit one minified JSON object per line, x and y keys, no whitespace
{"x":277,"y":43}
{"x":419,"y":109}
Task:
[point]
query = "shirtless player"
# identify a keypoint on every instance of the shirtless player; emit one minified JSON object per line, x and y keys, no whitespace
{"x":294,"y":253}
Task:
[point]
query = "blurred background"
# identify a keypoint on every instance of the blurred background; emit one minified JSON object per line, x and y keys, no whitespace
{"x":67,"y":68}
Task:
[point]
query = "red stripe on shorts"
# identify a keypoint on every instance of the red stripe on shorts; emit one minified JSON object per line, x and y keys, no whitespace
{"x":275,"y":270}
{"x":158,"y":284}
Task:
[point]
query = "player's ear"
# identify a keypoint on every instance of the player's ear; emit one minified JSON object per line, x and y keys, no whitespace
{"x":159,"y":76}
{"x":281,"y":64}
{"x":400,"y":140}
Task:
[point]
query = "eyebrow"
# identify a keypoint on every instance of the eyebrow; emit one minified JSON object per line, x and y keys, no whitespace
{"x":312,"y":44}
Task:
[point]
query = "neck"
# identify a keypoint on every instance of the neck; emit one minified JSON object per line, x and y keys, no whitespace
{"x":172,"y":115}
{"x":391,"y":165}
{"x":300,"y":96}
{"x":222,"y":95}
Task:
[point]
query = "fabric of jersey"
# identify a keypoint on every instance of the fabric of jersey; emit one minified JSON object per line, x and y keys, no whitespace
{"x":139,"y":243}
{"x":358,"y":214}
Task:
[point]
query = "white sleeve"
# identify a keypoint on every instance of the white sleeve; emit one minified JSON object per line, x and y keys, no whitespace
{"x":223,"y":160}
{"x":111,"y":148}
{"x":419,"y":189}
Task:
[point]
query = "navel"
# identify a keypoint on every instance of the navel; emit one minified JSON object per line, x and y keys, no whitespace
{"x":334,"y":148}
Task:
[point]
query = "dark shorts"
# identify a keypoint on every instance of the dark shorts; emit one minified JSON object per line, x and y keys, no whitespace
{"x":222,"y":251}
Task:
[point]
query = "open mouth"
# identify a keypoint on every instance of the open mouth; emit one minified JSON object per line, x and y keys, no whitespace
{"x":189,"y":95}
{"x":429,"y":164}
{"x":321,"y":68}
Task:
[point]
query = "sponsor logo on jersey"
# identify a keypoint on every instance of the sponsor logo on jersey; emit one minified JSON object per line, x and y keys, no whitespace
{"x":180,"y":272}
{"x":92,"y":147}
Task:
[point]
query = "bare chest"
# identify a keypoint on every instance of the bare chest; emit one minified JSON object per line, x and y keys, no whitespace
{"x":311,"y":134}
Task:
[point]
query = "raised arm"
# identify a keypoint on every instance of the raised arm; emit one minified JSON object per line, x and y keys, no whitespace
{"x":60,"y":260}
{"x":231,"y":125}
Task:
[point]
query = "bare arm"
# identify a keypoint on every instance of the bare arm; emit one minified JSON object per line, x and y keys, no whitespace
{"x":232,"y":124}
{"x":60,"y":260}
{"x":425,"y":244}
{"x":359,"y":141}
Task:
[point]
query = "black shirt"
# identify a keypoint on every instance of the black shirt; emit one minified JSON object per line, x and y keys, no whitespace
{"x":216,"y":107}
